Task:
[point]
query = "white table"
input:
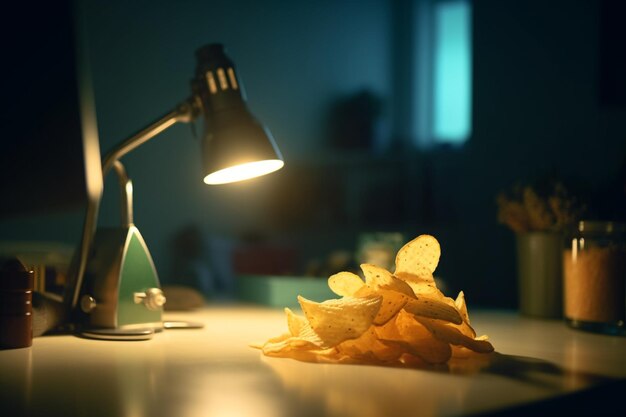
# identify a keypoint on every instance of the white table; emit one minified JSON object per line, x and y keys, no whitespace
{"x":213,"y":372}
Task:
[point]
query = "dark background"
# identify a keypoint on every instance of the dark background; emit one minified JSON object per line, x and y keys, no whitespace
{"x":548,"y":102}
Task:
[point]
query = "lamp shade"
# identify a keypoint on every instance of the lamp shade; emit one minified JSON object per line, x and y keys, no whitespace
{"x":235,"y":146}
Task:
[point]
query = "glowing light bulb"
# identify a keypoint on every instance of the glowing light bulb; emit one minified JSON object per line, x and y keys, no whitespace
{"x":243,"y":171}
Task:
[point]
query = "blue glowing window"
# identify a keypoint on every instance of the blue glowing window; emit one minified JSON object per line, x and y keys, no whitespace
{"x":443,"y":98}
{"x":453,"y":73}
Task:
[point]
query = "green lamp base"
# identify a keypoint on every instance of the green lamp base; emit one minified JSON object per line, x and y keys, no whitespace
{"x":122,"y":288}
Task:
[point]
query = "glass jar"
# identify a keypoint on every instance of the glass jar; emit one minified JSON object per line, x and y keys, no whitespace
{"x":594,"y":276}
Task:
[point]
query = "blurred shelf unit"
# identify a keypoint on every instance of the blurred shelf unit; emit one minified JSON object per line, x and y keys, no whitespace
{"x":349,"y":190}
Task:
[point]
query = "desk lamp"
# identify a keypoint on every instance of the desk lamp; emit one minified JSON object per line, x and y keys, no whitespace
{"x":114,"y":290}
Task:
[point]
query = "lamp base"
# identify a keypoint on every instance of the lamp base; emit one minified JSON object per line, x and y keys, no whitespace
{"x":118,"y":334}
{"x":121,"y":289}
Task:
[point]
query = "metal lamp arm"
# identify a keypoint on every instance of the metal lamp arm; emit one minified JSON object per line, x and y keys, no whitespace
{"x":126,"y":193}
{"x":184,"y":112}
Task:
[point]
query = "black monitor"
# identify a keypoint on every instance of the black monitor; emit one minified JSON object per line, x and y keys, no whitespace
{"x":49,"y":149}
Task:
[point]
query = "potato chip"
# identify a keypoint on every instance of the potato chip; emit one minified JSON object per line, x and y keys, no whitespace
{"x":453,"y":336}
{"x":421,"y":340}
{"x":399,"y":319}
{"x":375,"y":275}
{"x":338,"y":320}
{"x":424,"y":286}
{"x":389,"y":332}
{"x":462,"y":307}
{"x":345,"y":283}
{"x":378,"y":278}
{"x":295,"y":323}
{"x":413,"y":361}
{"x":461,"y":352}
{"x":419,"y":257}
{"x":368,"y":347}
{"x":390,"y":305}
{"x":467,"y":330}
{"x":316,"y":356}
{"x":300,"y":336}
{"x":433,"y":308}
{"x":464,"y":327}
{"x":395,"y":292}
{"x":413,"y":337}
{"x":287,"y":343}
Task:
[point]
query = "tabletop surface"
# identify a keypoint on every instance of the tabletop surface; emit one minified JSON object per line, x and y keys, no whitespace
{"x":214,"y":372}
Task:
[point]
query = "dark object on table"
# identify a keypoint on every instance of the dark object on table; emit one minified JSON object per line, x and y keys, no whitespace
{"x":16,"y":291}
{"x":182,"y":298}
{"x":49,"y":313}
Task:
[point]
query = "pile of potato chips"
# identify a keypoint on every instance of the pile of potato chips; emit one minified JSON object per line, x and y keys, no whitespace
{"x":399,"y":319}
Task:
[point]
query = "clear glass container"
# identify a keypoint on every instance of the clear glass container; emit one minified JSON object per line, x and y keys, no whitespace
{"x":594,"y":276}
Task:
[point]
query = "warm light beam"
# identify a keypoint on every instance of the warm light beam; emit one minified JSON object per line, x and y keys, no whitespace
{"x":243,"y":171}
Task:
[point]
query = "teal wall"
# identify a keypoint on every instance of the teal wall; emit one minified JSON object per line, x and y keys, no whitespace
{"x":294,"y":57}
{"x":536,"y":112}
